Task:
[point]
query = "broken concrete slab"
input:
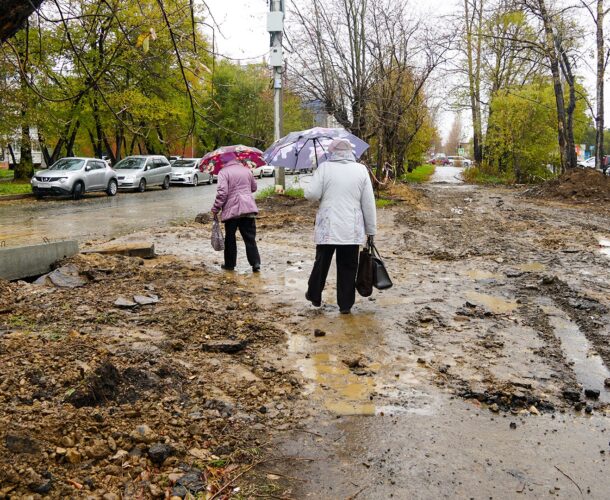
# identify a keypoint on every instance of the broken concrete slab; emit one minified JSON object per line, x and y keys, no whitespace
{"x":63,"y":277}
{"x":146,"y":300}
{"x":143,"y":249}
{"x":34,"y":260}
{"x":124,"y":303}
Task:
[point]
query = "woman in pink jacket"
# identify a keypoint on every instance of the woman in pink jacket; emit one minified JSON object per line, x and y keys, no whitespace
{"x":235,"y":200}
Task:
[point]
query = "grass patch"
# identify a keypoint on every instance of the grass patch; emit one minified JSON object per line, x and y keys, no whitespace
{"x":292,"y":192}
{"x":477,"y":175}
{"x":5,"y":173}
{"x":384,"y":202}
{"x":419,"y":174}
{"x":19,"y":187}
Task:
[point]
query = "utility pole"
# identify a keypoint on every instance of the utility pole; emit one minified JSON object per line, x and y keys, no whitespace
{"x":275,"y":27}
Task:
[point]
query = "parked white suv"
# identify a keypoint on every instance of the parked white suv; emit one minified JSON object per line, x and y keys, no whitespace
{"x":459,"y":161}
{"x":142,"y":171}
{"x":75,"y":177}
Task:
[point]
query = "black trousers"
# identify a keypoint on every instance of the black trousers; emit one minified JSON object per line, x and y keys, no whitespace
{"x":247,"y":229}
{"x":347,"y":268}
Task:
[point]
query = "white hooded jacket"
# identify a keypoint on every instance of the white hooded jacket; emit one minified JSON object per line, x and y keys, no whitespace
{"x":347,"y":212}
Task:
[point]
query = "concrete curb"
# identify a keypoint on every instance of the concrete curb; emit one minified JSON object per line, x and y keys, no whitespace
{"x":33,"y":260}
{"x":10,"y":197}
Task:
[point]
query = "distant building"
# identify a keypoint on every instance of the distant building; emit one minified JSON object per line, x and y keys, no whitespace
{"x":321,"y":118}
{"x":5,"y":154}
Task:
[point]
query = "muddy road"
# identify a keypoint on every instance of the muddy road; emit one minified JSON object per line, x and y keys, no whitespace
{"x":99,"y":216}
{"x":467,"y":378}
{"x":481,"y":374}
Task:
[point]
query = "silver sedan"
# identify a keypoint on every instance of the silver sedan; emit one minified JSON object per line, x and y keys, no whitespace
{"x":188,"y":171}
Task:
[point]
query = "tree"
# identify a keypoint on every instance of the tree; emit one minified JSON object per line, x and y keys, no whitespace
{"x":454,"y":139}
{"x":599,"y":15}
{"x":473,"y":17}
{"x":13,"y":16}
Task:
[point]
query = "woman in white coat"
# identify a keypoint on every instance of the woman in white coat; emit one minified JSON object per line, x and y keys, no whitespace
{"x":347,"y":215}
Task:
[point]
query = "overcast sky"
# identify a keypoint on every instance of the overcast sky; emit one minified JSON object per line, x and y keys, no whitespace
{"x":244,"y":35}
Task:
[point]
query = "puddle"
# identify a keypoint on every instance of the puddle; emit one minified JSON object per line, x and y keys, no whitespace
{"x":532,"y":267}
{"x":588,"y":366}
{"x":604,"y":243}
{"x":478,"y":274}
{"x":493,"y":303}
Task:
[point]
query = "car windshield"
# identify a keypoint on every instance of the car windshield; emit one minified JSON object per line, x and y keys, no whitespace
{"x":67,"y":164}
{"x":130,"y":164}
{"x":183,"y":163}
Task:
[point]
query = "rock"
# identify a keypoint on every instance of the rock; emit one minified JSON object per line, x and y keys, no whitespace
{"x":143,"y":434}
{"x":495,"y":408}
{"x":421,"y":361}
{"x":192,"y":481}
{"x":549,"y":280}
{"x":111,"y":444}
{"x":571,"y":395}
{"x":226,"y":346}
{"x":132,"y":249}
{"x":533,"y":410}
{"x":319,"y":333}
{"x":588,"y":409}
{"x":155,"y":491}
{"x":37,"y":483}
{"x":203,"y":218}
{"x":158,"y":452}
{"x":67,"y":442}
{"x":146,"y":300}
{"x":513,"y":425}
{"x":21,"y":444}
{"x":60,"y":451}
{"x":179,"y":491}
{"x":120,"y":455}
{"x":592,"y":393}
{"x":607,"y":382}
{"x":98,"y":450}
{"x":73,"y":456}
{"x":124,"y":303}
{"x":110,"y":496}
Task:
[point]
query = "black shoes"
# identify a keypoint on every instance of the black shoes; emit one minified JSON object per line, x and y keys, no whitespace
{"x":346,"y":311}
{"x":313,"y":302}
{"x":227,"y":268}
{"x":256,"y":269}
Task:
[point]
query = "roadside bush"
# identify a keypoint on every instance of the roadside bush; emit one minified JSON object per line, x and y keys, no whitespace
{"x":419,"y":174}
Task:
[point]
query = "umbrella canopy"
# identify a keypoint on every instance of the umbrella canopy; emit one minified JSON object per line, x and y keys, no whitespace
{"x":250,"y":157}
{"x":302,"y":150}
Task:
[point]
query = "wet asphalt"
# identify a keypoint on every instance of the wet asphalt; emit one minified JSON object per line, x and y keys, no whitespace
{"x":98,"y":216}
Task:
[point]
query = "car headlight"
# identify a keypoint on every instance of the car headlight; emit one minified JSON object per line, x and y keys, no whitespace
{"x":62,"y":179}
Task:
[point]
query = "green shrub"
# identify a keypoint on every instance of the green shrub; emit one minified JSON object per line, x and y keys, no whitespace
{"x":419,"y":174}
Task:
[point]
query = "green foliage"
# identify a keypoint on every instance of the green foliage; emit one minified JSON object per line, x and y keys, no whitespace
{"x":269,"y":192}
{"x":487,"y":175}
{"x":384,"y":202}
{"x":522,"y":133}
{"x":419,"y":174}
{"x":6,"y":174}
{"x":8,"y":188}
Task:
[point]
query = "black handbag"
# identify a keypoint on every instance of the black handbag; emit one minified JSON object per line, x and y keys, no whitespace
{"x":381,"y":278}
{"x":364,"y":278}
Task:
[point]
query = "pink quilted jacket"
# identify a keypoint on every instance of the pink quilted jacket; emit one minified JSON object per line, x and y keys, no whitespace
{"x":234,"y":193}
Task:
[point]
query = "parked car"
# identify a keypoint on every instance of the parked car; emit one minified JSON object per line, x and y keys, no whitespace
{"x":588,"y":163}
{"x":264,"y":171}
{"x":142,"y":171}
{"x":459,"y":161}
{"x":172,"y":159}
{"x":189,"y":171}
{"x":440,"y":159}
{"x":75,"y":177}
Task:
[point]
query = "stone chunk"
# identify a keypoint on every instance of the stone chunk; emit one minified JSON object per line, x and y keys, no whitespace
{"x":21,"y":444}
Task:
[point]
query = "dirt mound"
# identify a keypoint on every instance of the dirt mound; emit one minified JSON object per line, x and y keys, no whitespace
{"x":581,"y":184}
{"x":286,"y":212}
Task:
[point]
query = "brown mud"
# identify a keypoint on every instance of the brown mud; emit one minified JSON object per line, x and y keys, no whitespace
{"x":480,"y":374}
